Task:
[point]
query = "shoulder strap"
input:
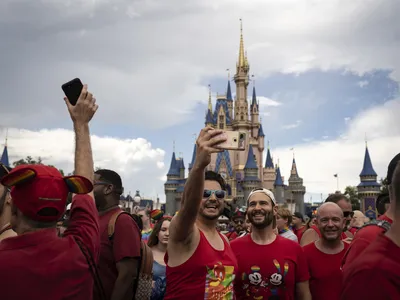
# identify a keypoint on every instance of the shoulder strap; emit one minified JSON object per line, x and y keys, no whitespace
{"x":146,"y":259}
{"x":381,"y":223}
{"x":113,"y":221}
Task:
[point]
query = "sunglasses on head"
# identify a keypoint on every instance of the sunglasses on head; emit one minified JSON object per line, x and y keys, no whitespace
{"x":347,"y":214}
{"x":219,"y":194}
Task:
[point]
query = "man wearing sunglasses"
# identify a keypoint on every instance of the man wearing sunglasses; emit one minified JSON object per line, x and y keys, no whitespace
{"x":200,"y":262}
{"x":5,"y":207}
{"x":312,"y":234}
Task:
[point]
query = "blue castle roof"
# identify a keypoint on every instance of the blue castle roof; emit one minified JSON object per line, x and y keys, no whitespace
{"x":251,"y":163}
{"x":4,"y":157}
{"x":209,"y":117}
{"x":367,"y":170}
{"x":224,"y":155}
{"x":278,"y":179}
{"x":173,"y":168}
{"x":224,"y":104}
{"x":261,"y":131}
{"x":268,"y":162}
{"x":228,"y":92}
{"x":254,"y":99}
{"x":193,"y":157}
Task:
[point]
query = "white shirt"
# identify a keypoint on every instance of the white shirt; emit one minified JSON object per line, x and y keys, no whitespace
{"x":290,"y":235}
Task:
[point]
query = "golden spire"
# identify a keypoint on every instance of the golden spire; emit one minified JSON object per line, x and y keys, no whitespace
{"x":242,"y":59}
{"x":268,"y":144}
{"x":229,"y":74}
{"x":366,"y":141}
{"x":209,"y":99}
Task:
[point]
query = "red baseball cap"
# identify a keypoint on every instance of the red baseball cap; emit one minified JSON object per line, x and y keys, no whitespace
{"x":40,"y":192}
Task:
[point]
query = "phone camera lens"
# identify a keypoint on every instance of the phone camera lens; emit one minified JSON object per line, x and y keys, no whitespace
{"x":235,"y":140}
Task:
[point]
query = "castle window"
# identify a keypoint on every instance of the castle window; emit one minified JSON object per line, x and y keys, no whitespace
{"x":221,"y":122}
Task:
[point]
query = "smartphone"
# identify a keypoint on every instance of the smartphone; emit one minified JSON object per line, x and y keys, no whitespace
{"x":235,"y":140}
{"x":72,"y":90}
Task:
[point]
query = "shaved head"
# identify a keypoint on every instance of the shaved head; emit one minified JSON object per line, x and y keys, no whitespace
{"x":330,"y":221}
{"x":329,"y":206}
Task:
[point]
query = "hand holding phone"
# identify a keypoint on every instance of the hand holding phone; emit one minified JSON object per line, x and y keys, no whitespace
{"x":235,"y":140}
{"x":72,"y":90}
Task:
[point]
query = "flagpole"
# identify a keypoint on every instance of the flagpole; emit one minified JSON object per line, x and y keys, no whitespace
{"x":337,"y":182}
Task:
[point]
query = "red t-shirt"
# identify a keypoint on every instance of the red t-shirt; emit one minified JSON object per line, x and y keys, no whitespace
{"x":125,"y":243}
{"x":362,"y":240}
{"x":299,"y":232}
{"x":375,"y":274}
{"x":207,"y":274}
{"x":41,"y":265}
{"x":269,"y":270}
{"x":325,"y":273}
{"x":231,"y":235}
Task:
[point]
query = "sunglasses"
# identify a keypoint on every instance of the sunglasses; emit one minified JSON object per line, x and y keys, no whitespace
{"x":347,"y":214}
{"x":219,"y":194}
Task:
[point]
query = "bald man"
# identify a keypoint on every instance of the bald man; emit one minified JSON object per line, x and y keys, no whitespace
{"x":324,"y":256}
{"x":357,"y":221}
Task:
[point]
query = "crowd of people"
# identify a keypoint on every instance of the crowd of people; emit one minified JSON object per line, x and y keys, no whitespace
{"x":93,"y":249}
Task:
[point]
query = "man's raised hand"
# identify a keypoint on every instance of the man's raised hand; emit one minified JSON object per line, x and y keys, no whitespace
{"x":85,"y":107}
{"x":205,"y":144}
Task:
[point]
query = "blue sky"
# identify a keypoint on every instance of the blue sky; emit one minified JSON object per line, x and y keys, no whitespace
{"x":323,"y":80}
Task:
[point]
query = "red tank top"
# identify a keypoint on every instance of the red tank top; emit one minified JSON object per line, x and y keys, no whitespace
{"x":207,"y":274}
{"x":344,"y":236}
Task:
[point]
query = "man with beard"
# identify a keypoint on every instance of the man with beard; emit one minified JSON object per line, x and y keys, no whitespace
{"x":5,"y":207}
{"x":238,"y":222}
{"x":312,"y":234}
{"x":200,"y":262}
{"x":325,"y":255}
{"x":376,"y":273}
{"x":118,"y":262}
{"x":270,"y":266}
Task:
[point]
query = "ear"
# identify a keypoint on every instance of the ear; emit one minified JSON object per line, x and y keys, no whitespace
{"x":275,"y":210}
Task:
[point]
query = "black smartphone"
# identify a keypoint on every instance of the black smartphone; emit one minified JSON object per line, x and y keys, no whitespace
{"x":72,"y":89}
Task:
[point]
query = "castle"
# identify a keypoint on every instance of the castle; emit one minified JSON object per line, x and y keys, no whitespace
{"x":242,"y":170}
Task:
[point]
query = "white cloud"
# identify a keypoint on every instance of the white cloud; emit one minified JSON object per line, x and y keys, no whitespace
{"x":140,"y":165}
{"x":145,"y":57}
{"x":319,"y":160}
{"x":363,"y":83}
{"x":293,"y":125}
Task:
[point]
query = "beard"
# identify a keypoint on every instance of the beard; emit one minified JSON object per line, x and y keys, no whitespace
{"x":268,"y":219}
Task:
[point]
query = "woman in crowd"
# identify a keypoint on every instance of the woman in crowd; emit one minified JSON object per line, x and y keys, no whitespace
{"x":158,"y":242}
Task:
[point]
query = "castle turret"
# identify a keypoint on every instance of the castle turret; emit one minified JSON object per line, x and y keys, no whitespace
{"x":251,"y":180}
{"x":241,"y":118}
{"x":4,"y":157}
{"x":254,"y":114}
{"x":297,"y":188}
{"x":209,"y":114}
{"x":171,"y":185}
{"x":193,"y":157}
{"x":181,"y":167}
{"x":229,"y":99}
{"x":369,"y":188}
{"x":279,"y":187}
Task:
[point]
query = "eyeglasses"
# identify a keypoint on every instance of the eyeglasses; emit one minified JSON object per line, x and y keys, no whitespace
{"x":219,"y":194}
{"x":347,"y":214}
{"x":118,"y":191}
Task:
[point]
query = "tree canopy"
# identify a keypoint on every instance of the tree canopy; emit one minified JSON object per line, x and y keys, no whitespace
{"x":29,"y":160}
{"x":352,"y":193}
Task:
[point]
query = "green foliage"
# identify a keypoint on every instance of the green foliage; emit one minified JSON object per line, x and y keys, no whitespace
{"x":29,"y":160}
{"x":352,"y":193}
{"x":384,"y":185}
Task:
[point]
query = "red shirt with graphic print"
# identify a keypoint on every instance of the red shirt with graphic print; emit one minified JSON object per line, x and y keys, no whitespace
{"x":269,"y":270}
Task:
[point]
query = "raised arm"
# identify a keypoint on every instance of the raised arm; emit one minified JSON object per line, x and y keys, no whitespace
{"x":182,"y":225}
{"x":81,"y":114}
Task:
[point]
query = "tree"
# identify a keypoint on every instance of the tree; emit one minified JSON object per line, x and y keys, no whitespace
{"x":352,"y":193}
{"x":384,"y":185}
{"x":31,"y":161}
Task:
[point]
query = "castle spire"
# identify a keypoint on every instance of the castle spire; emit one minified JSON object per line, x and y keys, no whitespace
{"x":4,"y":157}
{"x":278,"y":179}
{"x":293,"y":172}
{"x":173,"y":168}
{"x":242,"y":58}
{"x":193,"y":157}
{"x":367,"y":170}
{"x":229,"y":92}
{"x":209,"y":98}
{"x":250,"y":163}
{"x":268,"y":162}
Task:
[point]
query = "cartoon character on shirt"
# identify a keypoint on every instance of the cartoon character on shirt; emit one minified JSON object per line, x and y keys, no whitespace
{"x":258,"y":286}
{"x":219,"y":282}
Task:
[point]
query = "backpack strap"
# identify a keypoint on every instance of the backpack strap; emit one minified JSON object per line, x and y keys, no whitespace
{"x":380,"y":223}
{"x":113,"y":221}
